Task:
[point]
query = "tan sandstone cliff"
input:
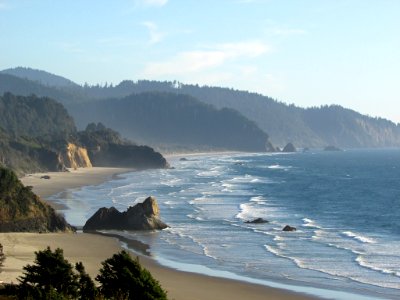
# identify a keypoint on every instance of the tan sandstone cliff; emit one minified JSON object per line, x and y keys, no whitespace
{"x":75,"y":157}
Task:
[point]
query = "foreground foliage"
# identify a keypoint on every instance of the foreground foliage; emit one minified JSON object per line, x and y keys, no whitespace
{"x":52,"y":277}
{"x":121,"y":277}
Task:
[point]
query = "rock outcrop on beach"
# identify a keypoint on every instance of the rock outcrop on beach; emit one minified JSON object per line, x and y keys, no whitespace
{"x":142,"y":216}
{"x":23,"y":211}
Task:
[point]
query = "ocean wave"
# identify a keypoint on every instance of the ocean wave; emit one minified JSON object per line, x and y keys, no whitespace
{"x":194,"y":217}
{"x":211,"y":173}
{"x":310,"y":223}
{"x":248,"y":211}
{"x":279,"y":253}
{"x":171,"y":182}
{"x":359,"y":237}
{"x":363,"y":263}
{"x":258,"y":199}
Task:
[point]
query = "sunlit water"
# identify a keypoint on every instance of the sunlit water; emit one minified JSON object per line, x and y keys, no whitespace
{"x":345,"y":205}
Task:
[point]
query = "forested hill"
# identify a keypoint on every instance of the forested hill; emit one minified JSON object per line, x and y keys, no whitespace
{"x":33,"y":116}
{"x":38,"y":134}
{"x":311,"y":127}
{"x":168,"y":120}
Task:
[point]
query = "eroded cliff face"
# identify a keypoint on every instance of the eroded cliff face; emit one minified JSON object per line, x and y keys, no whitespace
{"x":74,"y":156}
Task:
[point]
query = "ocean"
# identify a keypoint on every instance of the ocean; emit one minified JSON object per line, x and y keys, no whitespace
{"x":345,"y":206}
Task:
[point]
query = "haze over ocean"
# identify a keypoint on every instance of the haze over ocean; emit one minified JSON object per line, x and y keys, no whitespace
{"x":345,"y":206}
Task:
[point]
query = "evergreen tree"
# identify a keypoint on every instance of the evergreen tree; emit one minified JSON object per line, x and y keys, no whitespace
{"x":122,"y":277}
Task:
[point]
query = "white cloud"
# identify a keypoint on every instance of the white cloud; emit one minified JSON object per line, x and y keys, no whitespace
{"x":158,"y":3}
{"x":201,"y":60}
{"x":155,"y":34}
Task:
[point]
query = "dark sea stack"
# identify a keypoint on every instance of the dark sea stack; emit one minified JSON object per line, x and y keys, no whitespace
{"x":257,"y":221}
{"x":183,"y":159}
{"x":289,"y":228}
{"x":142,"y":216}
{"x":332,"y":148}
{"x":289,"y":148}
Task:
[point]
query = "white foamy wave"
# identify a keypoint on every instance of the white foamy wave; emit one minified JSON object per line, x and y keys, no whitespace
{"x":211,"y":173}
{"x":363,"y":263}
{"x":171,"y":182}
{"x":195,"y":217}
{"x":359,"y":237}
{"x":207,"y":253}
{"x":170,"y":202}
{"x":258,"y":199}
{"x":273,"y":250}
{"x":310,"y":223}
{"x":248,"y":211}
{"x":278,"y":167}
{"x":279,"y":253}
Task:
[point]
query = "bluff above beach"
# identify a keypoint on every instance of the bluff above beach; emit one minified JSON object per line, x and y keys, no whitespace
{"x":21,"y":210}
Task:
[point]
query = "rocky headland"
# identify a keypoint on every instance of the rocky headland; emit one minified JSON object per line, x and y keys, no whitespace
{"x":21,"y":210}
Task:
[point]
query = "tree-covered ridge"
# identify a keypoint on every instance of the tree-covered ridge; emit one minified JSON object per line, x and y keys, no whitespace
{"x":22,"y":210}
{"x":106,"y":148}
{"x":38,"y":134}
{"x":305,"y":127}
{"x":34,"y":117}
{"x":168,"y":118}
{"x":40,"y":76}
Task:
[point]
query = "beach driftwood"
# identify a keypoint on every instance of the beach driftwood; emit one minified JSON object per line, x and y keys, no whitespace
{"x":142,"y":216}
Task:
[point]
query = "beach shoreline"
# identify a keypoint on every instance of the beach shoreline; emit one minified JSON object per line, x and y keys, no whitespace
{"x":92,"y":249}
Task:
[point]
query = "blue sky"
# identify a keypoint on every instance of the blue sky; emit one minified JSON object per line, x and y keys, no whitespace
{"x":306,"y":52}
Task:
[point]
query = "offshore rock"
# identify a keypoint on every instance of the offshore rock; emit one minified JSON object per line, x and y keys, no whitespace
{"x":289,"y":228}
{"x":142,"y":216}
{"x":257,"y":221}
{"x":289,"y":148}
{"x":332,"y":148}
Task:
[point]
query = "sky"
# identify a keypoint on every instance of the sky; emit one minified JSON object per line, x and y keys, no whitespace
{"x":305,"y":52}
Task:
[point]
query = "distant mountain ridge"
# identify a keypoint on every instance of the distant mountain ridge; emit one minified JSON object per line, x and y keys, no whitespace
{"x":40,"y":76}
{"x":311,"y":127}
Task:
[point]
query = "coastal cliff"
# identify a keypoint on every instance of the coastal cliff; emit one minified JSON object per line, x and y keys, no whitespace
{"x":38,"y":135}
{"x":75,"y":156}
{"x":23,"y":211}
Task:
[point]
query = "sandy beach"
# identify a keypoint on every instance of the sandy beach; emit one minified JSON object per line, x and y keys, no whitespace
{"x":92,"y":249}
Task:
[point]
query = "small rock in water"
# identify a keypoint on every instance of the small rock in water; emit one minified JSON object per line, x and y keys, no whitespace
{"x":289,"y":228}
{"x":257,"y":221}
